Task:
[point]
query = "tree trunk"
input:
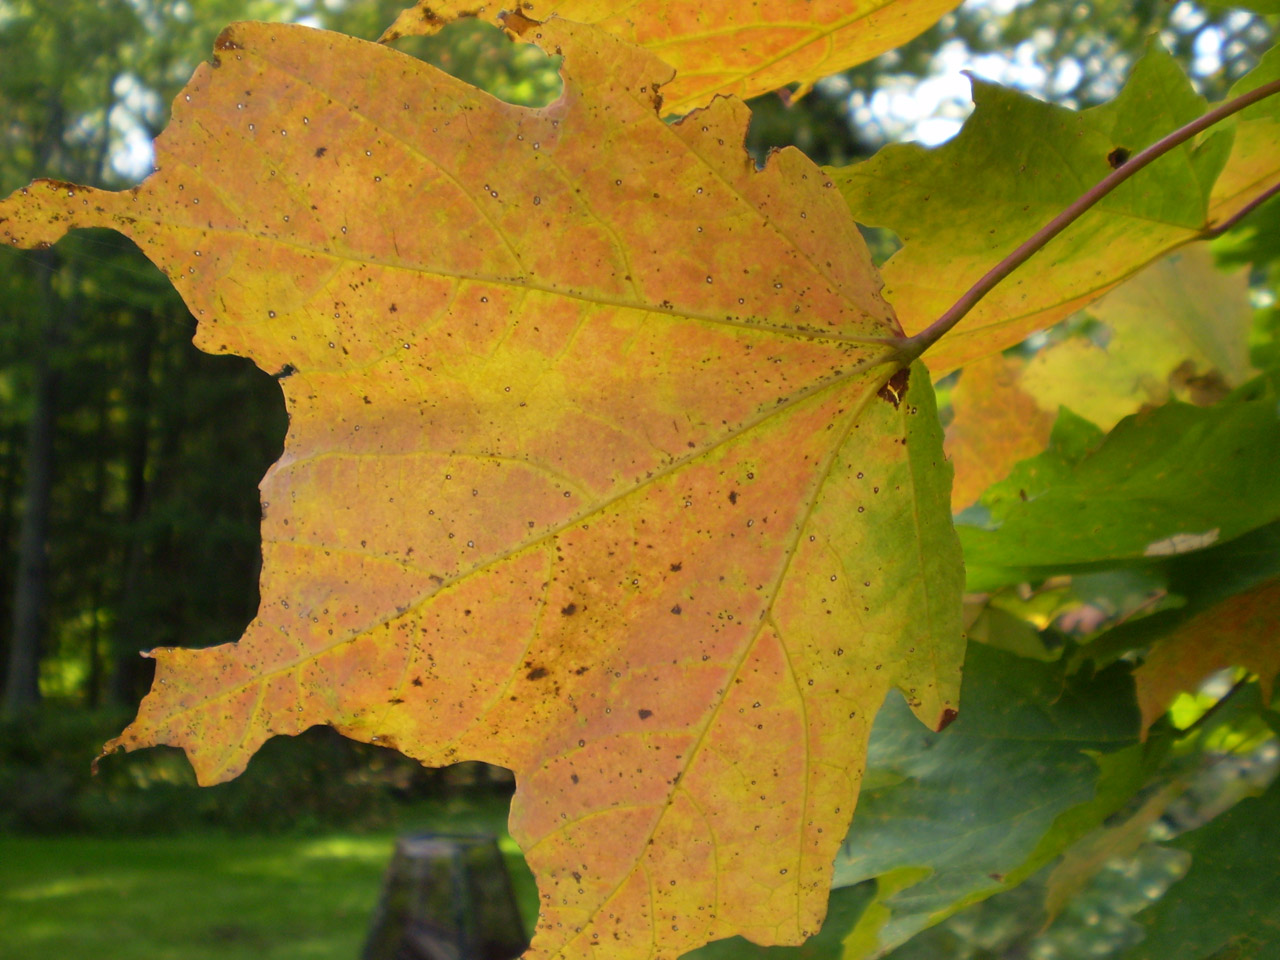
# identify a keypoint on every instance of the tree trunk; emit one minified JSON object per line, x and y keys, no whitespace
{"x":127,"y":668}
{"x":10,"y":481}
{"x":98,"y":592}
{"x":31,"y":586}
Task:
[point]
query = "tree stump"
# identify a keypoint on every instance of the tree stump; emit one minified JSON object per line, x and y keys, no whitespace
{"x":446,"y":898}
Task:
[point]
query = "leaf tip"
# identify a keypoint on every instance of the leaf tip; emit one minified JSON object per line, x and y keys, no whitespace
{"x":111,"y":746}
{"x":226,"y":39}
{"x":948,"y":717}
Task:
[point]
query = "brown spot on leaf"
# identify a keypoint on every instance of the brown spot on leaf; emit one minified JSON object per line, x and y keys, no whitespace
{"x":676,"y":610}
{"x":515,"y":21}
{"x":733,"y":496}
{"x":537,"y":673}
{"x":1118,"y":157}
{"x":569,"y":610}
{"x":896,"y":387}
{"x":321,"y":151}
{"x":644,"y":714}
{"x":948,"y":717}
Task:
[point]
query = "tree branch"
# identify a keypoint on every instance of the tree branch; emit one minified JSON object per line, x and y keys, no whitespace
{"x":914,"y":346}
{"x":1221,"y":702}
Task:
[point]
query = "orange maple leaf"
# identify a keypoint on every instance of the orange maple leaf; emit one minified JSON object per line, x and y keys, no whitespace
{"x":600,"y":465}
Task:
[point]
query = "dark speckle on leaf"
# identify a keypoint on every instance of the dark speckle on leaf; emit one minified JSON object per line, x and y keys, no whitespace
{"x":733,"y":496}
{"x":948,"y":716}
{"x":321,"y":151}
{"x":896,"y":388}
{"x":1118,"y":157}
{"x":645,"y":714}
{"x":569,"y":610}
{"x":537,"y":673}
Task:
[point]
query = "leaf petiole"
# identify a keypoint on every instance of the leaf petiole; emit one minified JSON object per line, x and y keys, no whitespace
{"x":1218,"y":229}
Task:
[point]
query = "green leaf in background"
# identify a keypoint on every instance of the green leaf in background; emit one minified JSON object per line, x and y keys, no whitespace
{"x":1085,"y":859}
{"x":1226,"y":907}
{"x":1017,"y":162}
{"x":946,"y":819}
{"x":1256,"y":241}
{"x":1163,"y":482}
{"x":1179,"y":329}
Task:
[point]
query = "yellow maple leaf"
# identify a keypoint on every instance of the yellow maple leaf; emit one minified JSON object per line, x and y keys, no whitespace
{"x":601,"y":465}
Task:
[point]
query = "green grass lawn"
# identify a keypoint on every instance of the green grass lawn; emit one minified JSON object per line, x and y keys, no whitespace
{"x":210,"y":896}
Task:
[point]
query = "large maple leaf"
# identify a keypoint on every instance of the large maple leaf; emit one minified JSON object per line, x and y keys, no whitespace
{"x":600,"y":465}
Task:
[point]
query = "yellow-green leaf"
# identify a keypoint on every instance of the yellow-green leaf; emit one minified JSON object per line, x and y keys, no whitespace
{"x":1254,"y":164}
{"x":1178,"y":330}
{"x":599,"y":465}
{"x":722,"y":46}
{"x":960,"y":208}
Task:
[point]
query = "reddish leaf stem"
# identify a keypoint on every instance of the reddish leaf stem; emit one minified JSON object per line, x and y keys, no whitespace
{"x":1218,"y":229}
{"x":914,"y":346}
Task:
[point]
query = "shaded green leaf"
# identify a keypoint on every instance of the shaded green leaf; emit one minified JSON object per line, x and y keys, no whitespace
{"x":949,"y":818}
{"x":1164,"y":482}
{"x":1225,"y":907}
{"x":1201,"y":579}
